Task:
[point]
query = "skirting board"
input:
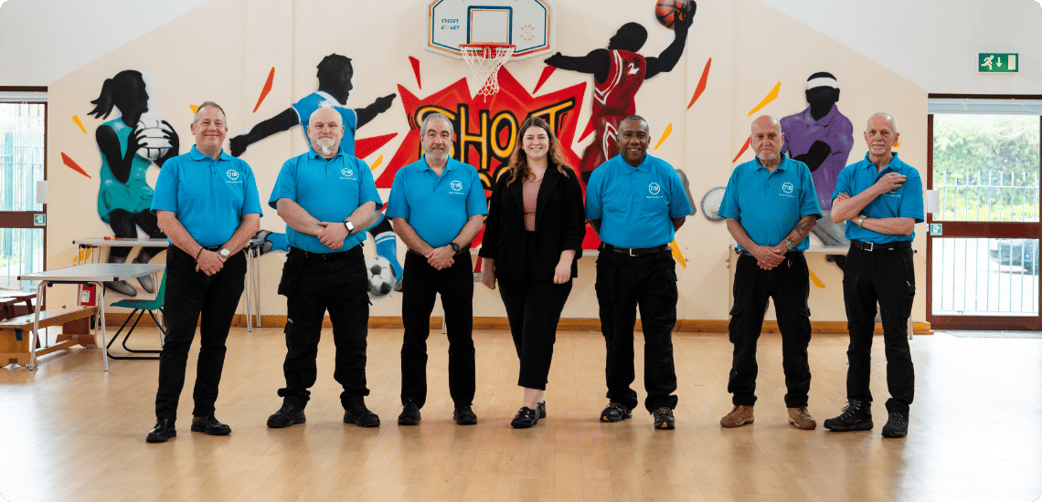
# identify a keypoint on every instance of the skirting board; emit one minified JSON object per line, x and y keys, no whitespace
{"x":566,"y":324}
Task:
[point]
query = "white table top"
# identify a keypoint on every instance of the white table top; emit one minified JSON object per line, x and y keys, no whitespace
{"x":130,"y":241}
{"x":135,"y":241}
{"x":95,"y":272}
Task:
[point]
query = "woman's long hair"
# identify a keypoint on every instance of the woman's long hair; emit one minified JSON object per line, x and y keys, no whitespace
{"x":518,"y":167}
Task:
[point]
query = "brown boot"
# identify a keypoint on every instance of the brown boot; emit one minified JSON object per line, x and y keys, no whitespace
{"x":801,"y":418}
{"x":738,"y":417}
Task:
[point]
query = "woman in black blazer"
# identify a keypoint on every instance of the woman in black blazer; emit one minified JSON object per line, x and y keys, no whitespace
{"x":533,"y":237}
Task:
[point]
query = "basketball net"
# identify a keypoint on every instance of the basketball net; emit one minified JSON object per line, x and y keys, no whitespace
{"x":485,"y":60}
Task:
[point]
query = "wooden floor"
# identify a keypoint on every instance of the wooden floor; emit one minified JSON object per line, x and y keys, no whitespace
{"x":71,"y":432}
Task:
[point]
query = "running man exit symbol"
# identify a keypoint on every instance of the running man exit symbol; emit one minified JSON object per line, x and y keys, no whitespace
{"x":996,"y":63}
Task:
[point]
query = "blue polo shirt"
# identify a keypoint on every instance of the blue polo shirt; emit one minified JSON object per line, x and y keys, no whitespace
{"x":768,"y":204}
{"x":636,"y":205}
{"x":209,"y":197}
{"x":330,"y":190}
{"x":905,"y":201}
{"x":435,"y":206}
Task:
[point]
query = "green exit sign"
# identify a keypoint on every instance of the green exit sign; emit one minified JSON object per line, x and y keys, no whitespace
{"x":990,"y":62}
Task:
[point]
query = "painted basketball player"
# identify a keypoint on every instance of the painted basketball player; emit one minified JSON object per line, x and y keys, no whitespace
{"x":618,"y":73}
{"x":334,"y":87}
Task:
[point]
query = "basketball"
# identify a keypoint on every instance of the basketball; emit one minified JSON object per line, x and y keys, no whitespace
{"x":666,"y":11}
{"x":154,"y":143}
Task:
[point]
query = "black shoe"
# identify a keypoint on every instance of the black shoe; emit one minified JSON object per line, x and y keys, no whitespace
{"x":664,"y":419}
{"x":856,"y":416}
{"x":896,"y":426}
{"x":361,"y":416}
{"x":464,"y":416}
{"x":615,"y":412}
{"x":410,"y":413}
{"x":288,"y":414}
{"x":525,"y":418}
{"x":163,"y":430}
{"x":540,"y":409}
{"x":210,"y":425}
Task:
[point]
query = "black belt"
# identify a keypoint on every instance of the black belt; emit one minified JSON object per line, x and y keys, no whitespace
{"x":295,"y":252}
{"x":871,"y":246}
{"x":634,"y":251}
{"x":746,"y":253}
{"x":213,"y":248}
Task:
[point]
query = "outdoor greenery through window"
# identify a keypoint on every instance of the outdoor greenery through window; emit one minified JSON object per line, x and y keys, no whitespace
{"x":22,"y":134}
{"x":986,"y":167}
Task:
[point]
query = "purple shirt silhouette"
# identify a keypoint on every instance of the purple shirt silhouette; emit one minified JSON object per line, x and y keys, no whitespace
{"x":835,"y":130}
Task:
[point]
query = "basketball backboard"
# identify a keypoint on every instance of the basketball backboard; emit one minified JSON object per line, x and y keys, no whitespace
{"x":526,"y":24}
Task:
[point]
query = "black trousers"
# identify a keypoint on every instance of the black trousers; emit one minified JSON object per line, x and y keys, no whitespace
{"x":533,"y":310}
{"x":313,"y":284}
{"x":788,"y":285}
{"x":885,"y":276}
{"x":624,"y":284}
{"x":456,"y":286}
{"x":190,"y":294}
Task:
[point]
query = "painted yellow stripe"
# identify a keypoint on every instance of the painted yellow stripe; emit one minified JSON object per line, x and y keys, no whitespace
{"x":771,"y":96}
{"x":194,"y":108}
{"x":76,"y":119}
{"x":677,"y":255}
{"x":813,"y":278}
{"x":669,"y":130}
{"x":377,"y":163}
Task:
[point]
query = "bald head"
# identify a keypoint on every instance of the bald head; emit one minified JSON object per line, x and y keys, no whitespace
{"x":766,"y":138}
{"x":325,"y":130}
{"x":881,"y":134}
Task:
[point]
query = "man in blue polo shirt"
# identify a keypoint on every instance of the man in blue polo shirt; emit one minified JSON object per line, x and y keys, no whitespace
{"x":881,"y":199}
{"x":207,"y":204}
{"x":437,"y":205}
{"x":327,"y":199}
{"x":635,"y":203}
{"x":770,"y":205}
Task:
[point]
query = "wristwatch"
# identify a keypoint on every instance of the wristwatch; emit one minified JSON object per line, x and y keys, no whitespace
{"x":455,"y":247}
{"x":861,"y":219}
{"x":788,"y":245}
{"x":224,"y":253}
{"x":350,"y":226}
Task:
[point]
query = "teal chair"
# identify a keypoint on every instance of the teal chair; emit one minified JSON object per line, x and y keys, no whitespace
{"x":140,"y":307}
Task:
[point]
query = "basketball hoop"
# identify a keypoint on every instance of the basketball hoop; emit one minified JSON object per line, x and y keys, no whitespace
{"x":485,"y":60}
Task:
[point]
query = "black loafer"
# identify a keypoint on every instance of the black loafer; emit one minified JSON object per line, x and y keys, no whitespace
{"x":162,"y":431}
{"x":526,"y":417}
{"x":464,"y":415}
{"x":210,"y":425}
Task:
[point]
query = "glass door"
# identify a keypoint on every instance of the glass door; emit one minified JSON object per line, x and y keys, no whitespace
{"x":23,"y":132}
{"x":982,"y":249}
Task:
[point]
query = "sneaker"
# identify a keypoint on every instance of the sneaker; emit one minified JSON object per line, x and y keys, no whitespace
{"x":525,"y":418}
{"x":856,"y":416}
{"x":664,"y":419}
{"x":801,"y":418}
{"x":361,"y":416}
{"x":739,"y":416}
{"x":615,"y":412}
{"x":162,"y":431}
{"x":464,"y":416}
{"x":896,"y":425}
{"x":540,"y":409}
{"x":410,"y":413}
{"x":287,"y":415}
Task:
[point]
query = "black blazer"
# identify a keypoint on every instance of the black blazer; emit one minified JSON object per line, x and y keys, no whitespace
{"x":560,"y":223}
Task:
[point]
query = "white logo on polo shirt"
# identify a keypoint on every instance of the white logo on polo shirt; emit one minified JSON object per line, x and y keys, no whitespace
{"x":456,"y":186}
{"x":233,"y":176}
{"x":787,"y":187}
{"x":654,"y":188}
{"x":348,"y":173}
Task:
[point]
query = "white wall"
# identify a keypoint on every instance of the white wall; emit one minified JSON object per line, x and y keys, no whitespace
{"x":932,"y":43}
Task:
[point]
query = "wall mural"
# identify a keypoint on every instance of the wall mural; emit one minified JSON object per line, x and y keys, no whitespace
{"x":821,"y":137}
{"x":335,"y":73}
{"x":129,"y":145}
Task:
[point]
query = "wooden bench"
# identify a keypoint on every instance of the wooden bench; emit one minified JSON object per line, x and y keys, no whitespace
{"x":14,"y":333}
